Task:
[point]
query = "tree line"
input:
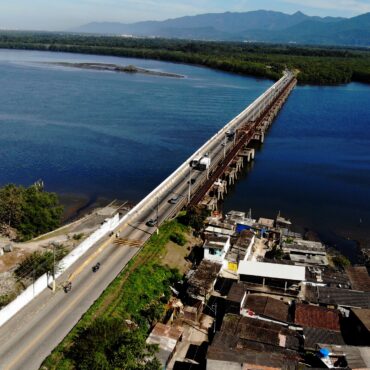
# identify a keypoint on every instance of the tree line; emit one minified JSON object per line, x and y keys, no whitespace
{"x":30,"y":211}
{"x":315,"y":65}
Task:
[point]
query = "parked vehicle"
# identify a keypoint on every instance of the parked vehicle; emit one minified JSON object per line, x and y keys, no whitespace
{"x":174,"y":199}
{"x":192,"y":181}
{"x":152,"y":222}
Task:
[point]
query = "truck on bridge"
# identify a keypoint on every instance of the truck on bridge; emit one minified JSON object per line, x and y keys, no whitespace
{"x":201,"y":163}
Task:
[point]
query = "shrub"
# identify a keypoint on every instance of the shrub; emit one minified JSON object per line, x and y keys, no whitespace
{"x":178,"y":239}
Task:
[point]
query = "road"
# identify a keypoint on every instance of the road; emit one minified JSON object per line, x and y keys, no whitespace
{"x":30,"y":336}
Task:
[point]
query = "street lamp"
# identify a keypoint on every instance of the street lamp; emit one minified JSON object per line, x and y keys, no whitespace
{"x":189,"y":183}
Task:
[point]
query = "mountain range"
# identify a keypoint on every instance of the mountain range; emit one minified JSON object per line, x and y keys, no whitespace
{"x":254,"y":26}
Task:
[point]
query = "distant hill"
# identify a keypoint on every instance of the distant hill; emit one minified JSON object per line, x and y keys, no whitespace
{"x":261,"y":25}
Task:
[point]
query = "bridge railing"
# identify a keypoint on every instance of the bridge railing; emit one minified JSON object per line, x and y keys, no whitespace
{"x":252,"y":110}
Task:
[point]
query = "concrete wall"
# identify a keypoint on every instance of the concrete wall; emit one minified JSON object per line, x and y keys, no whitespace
{"x":46,"y":280}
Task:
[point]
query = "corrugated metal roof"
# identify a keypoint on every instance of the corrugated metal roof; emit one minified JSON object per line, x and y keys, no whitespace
{"x":317,"y":317}
{"x":363,"y":315}
{"x":337,"y":297}
{"x":359,"y":278}
{"x":272,"y":270}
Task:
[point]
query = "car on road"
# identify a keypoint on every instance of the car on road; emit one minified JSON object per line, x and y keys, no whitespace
{"x":152,"y":222}
{"x":174,"y":199}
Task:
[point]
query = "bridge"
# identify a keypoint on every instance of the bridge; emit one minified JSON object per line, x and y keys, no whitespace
{"x":250,"y":124}
{"x":29,"y":336}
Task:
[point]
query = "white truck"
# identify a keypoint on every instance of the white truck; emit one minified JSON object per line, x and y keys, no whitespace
{"x":201,"y":163}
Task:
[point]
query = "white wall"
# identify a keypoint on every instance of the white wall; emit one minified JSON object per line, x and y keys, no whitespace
{"x":46,"y":280}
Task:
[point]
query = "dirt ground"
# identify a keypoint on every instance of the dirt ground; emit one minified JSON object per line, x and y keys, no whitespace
{"x":176,"y":255}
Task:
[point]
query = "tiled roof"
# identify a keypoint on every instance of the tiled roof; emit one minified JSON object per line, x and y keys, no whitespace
{"x":313,"y":336}
{"x":246,"y":328}
{"x":359,"y":278}
{"x":225,"y":348}
{"x":267,"y":306}
{"x":316,"y":317}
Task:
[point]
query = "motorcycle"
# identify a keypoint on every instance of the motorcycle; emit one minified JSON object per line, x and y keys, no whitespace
{"x":96,"y":267}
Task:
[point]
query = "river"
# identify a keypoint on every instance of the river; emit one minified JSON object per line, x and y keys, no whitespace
{"x":103,"y":134}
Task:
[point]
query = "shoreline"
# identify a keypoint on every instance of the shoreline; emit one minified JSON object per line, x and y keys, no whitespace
{"x":115,"y":68}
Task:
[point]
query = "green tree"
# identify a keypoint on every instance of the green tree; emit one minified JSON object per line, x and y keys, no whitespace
{"x":38,"y":263}
{"x":11,"y":200}
{"x":41,"y":212}
{"x":108,"y":344}
{"x":32,"y":211}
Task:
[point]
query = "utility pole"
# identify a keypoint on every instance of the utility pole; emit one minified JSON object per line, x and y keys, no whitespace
{"x":189,"y":187}
{"x":157,"y":215}
{"x":54,"y":267}
{"x":214,"y":309}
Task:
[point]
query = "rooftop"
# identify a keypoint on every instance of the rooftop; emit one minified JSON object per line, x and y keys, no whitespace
{"x":312,"y":336}
{"x":337,"y":297}
{"x":357,"y":357}
{"x":359,"y":278}
{"x":363,"y":315}
{"x":267,"y":306}
{"x":166,"y":337}
{"x":316,"y":317}
{"x":272,"y":270}
{"x":260,"y":331}
{"x":237,"y":290}
{"x":216,"y":241}
{"x":224,"y":348}
{"x":267,"y":222}
{"x":218,"y":230}
{"x":204,"y":277}
{"x":309,"y":259}
{"x":306,"y":246}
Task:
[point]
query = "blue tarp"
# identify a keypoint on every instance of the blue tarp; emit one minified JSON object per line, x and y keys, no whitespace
{"x":240,"y":228}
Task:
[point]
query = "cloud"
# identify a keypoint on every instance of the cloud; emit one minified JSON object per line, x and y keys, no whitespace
{"x":351,"y":6}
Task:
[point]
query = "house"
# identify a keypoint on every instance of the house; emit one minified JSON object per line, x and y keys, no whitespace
{"x":202,"y":281}
{"x":240,"y":251}
{"x":306,"y":253}
{"x":360,"y":325}
{"x":250,"y":333}
{"x":312,"y":336}
{"x":265,"y":308}
{"x":166,"y":337}
{"x":221,"y":358}
{"x":336,"y":297}
{"x":348,"y":357}
{"x":316,"y":317}
{"x":359,"y":278}
{"x":215,"y":249}
{"x":271,"y":274}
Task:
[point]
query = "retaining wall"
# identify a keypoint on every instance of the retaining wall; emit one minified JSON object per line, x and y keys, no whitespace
{"x":46,"y":280}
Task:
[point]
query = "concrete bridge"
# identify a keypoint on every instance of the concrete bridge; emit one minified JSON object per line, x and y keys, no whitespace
{"x":191,"y":185}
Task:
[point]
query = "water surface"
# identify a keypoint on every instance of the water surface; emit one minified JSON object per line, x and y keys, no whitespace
{"x":117,"y":135}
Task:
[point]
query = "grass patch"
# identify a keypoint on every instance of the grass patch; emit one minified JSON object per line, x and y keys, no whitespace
{"x":139,"y":293}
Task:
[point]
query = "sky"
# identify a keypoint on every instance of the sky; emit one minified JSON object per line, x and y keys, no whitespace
{"x":61,"y":15}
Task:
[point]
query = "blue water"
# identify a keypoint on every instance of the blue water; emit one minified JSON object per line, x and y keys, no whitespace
{"x":315,"y":164}
{"x":118,"y":135}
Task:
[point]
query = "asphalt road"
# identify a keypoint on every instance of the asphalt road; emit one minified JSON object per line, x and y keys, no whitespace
{"x":30,"y":336}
